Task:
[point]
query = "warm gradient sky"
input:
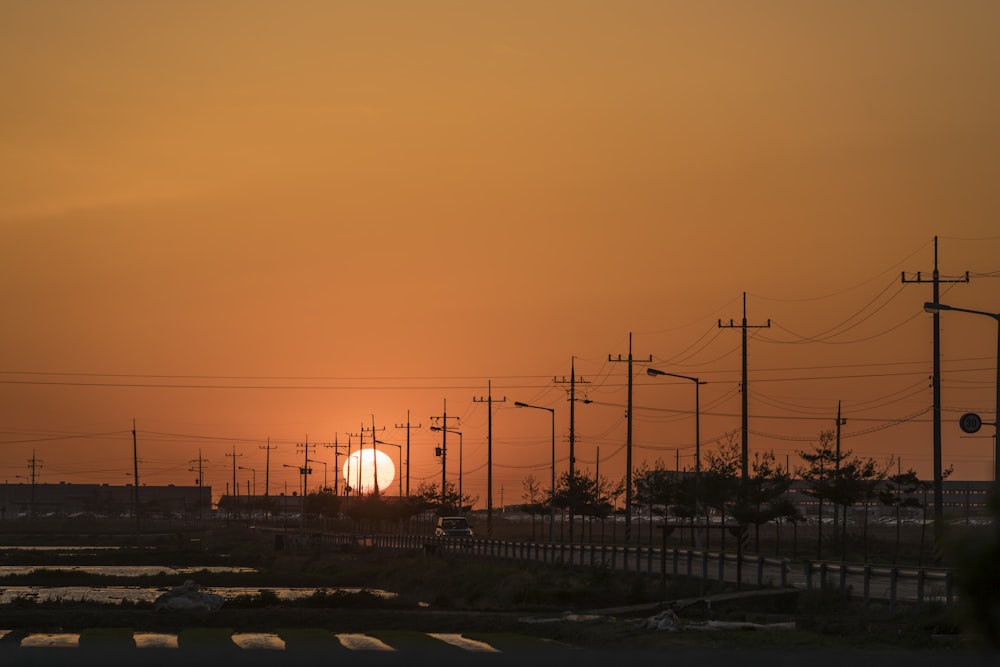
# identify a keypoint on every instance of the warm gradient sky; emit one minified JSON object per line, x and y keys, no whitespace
{"x":242,"y":221}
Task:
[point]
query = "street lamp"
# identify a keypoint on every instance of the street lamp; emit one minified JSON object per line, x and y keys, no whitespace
{"x":302,"y":471}
{"x":254,"y":476}
{"x":253,"y":472}
{"x":653,"y":372}
{"x":336,"y":467}
{"x":552,"y":491}
{"x":932,"y":307}
{"x":324,"y":470}
{"x":459,"y":434}
{"x":399,"y":473}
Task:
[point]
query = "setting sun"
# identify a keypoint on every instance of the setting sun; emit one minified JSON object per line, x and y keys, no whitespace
{"x":363,"y":468}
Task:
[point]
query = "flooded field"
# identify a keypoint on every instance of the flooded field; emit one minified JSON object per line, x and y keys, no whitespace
{"x":135,"y":594}
{"x":119,"y":593}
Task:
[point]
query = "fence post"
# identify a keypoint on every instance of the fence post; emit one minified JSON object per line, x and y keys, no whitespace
{"x":948,"y":589}
{"x":893,"y":580}
{"x":822,"y":576}
{"x":722,"y":570}
{"x":868,"y":584}
{"x":807,"y":564}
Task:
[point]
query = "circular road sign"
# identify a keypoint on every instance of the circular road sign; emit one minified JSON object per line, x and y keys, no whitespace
{"x":970,"y":422}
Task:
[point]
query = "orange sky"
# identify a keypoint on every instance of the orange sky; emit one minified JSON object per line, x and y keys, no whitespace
{"x":242,"y":221}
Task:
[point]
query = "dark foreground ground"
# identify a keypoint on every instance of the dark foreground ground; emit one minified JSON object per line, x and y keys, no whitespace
{"x":535,"y":615}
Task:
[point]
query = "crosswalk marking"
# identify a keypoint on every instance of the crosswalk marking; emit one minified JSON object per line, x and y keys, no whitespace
{"x":51,"y":639}
{"x":154,"y":640}
{"x":463,"y":642}
{"x":362,"y":642}
{"x":251,"y":641}
{"x":259,"y":640}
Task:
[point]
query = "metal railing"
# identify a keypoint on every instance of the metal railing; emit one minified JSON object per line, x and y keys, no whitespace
{"x":889,"y":584}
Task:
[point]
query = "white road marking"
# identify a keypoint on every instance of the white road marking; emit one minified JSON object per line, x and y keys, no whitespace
{"x":259,"y":640}
{"x":362,"y":642}
{"x":464,"y":642}
{"x":154,"y":640}
{"x":52,"y":639}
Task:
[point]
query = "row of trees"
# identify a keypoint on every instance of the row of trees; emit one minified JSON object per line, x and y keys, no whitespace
{"x":832,"y":477}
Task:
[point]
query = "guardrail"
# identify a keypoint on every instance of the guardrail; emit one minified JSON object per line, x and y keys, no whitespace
{"x":887,"y":583}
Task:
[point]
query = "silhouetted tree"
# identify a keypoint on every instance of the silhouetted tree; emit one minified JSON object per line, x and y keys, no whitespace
{"x":899,"y":492}
{"x":765,"y":489}
{"x":430,"y":496}
{"x":532,"y":495}
{"x":856,"y":480}
{"x":818,"y":473}
{"x":720,"y":480}
{"x":324,"y":504}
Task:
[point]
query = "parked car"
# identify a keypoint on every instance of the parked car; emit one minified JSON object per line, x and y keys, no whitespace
{"x":453,"y":526}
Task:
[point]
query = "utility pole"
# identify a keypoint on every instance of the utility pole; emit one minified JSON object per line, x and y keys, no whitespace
{"x":236,"y":489}
{"x":444,"y":453}
{"x":489,"y":452}
{"x":936,"y":280}
{"x":361,"y":448}
{"x":267,"y":466}
{"x":628,"y":441}
{"x":745,"y":469}
{"x":572,"y":438}
{"x":135,"y":472}
{"x":336,"y":463}
{"x":374,"y":456}
{"x":305,"y":475}
{"x":836,"y":472}
{"x":347,"y":478}
{"x":408,"y":426}
{"x":744,"y":391}
{"x":34,"y":464}
{"x":201,"y":478}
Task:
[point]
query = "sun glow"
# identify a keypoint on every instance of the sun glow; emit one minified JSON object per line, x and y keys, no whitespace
{"x":362,"y":468}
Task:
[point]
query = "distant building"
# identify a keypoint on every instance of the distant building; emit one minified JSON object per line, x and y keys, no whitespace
{"x":103,"y":500}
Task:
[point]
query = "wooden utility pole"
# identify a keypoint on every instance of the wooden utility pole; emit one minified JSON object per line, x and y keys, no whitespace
{"x":234,"y":455}
{"x":305,"y":473}
{"x":375,"y":488}
{"x":745,"y":465}
{"x":135,"y":474}
{"x":336,"y":464}
{"x":444,"y":453}
{"x":936,"y":280}
{"x":836,"y":472}
{"x":572,"y":439}
{"x":744,"y":390}
{"x":267,"y":466}
{"x":628,"y":441}
{"x":489,"y":451}
{"x":408,"y":426}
